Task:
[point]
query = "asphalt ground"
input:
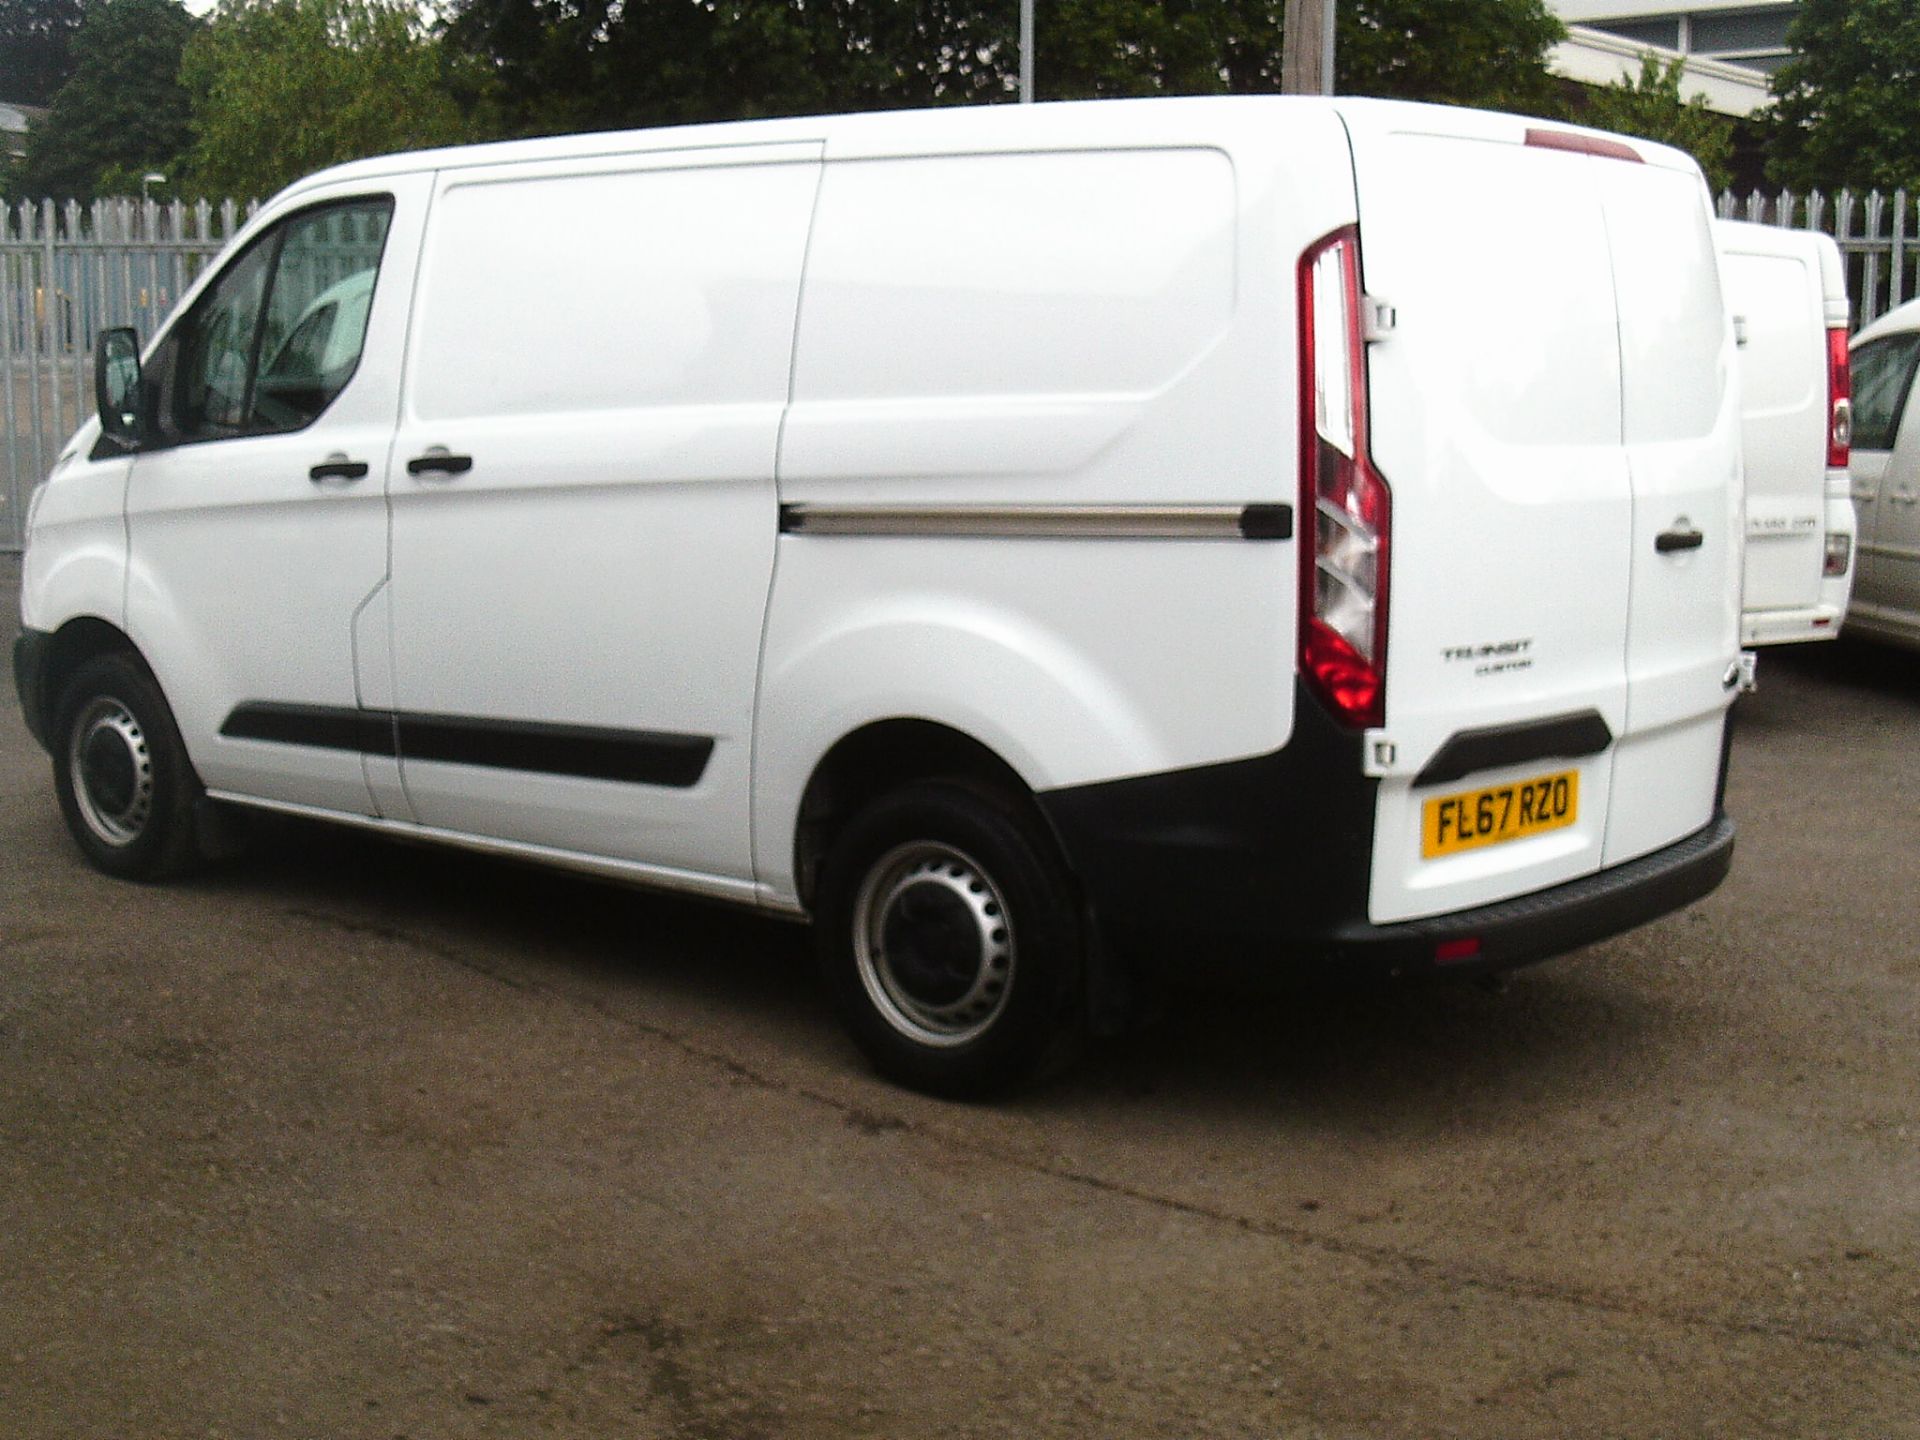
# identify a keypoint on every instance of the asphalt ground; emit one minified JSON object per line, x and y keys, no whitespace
{"x":352,"y":1139}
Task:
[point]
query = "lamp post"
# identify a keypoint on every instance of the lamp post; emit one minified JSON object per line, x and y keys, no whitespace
{"x":152,"y":177}
{"x":1026,"y":52}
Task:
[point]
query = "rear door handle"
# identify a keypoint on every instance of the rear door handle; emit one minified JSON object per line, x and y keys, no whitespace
{"x":1668,"y":541}
{"x":439,"y":462}
{"x":338,"y":467}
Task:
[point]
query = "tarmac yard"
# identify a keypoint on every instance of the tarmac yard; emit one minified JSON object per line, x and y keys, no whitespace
{"x":349,"y":1139}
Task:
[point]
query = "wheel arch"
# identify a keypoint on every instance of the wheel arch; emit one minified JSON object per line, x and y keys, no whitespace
{"x":880,"y":756}
{"x":63,"y":652}
{"x":886,"y":755}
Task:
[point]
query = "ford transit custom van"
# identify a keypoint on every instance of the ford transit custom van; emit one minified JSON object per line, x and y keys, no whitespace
{"x":1059,"y":550}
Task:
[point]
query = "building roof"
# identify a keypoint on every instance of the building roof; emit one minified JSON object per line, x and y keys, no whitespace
{"x":1729,"y":47}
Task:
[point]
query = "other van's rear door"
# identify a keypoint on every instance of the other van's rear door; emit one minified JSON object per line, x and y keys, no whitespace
{"x":1783,"y":402}
{"x":583,"y":501}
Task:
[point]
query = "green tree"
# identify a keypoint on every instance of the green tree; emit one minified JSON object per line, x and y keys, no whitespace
{"x":1491,"y":53}
{"x":279,"y":88}
{"x":36,"y":43}
{"x":1089,"y":49}
{"x":572,"y":64}
{"x":1649,"y":105}
{"x":122,"y":106}
{"x":1847,"y":104}
{"x":596,"y":64}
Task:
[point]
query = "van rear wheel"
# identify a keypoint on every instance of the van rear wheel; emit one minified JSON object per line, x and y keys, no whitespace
{"x":951,"y":940}
{"x":120,"y":769}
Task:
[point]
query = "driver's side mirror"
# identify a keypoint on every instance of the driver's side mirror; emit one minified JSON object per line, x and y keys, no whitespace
{"x":116,"y":385}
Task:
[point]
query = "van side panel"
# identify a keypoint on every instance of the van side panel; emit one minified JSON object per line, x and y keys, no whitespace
{"x":1108,"y":326}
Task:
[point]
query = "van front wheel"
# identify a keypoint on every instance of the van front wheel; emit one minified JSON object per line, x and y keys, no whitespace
{"x":125,"y":784}
{"x":951,"y":940}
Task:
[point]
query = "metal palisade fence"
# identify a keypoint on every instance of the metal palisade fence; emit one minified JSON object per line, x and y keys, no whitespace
{"x":66,"y":273}
{"x":1878,"y":235}
{"x":69,"y":271}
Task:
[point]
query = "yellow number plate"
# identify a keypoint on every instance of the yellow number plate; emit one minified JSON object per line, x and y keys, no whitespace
{"x":1452,"y":823}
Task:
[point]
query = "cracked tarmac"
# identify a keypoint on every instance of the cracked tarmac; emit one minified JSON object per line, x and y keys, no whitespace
{"x":348,"y":1139}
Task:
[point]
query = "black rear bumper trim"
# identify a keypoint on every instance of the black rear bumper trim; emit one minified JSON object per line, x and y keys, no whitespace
{"x":1553,"y":921}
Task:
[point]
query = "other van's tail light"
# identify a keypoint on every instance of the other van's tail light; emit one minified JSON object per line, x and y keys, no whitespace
{"x":1839,"y":399}
{"x":1343,"y":551}
{"x":1839,"y":554}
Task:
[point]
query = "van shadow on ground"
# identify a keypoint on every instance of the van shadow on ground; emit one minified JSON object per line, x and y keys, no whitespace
{"x":1330,"y":1055}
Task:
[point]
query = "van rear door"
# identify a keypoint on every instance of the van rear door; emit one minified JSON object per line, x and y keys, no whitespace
{"x":1681,"y":427}
{"x":1552,"y":413}
{"x":1776,"y":292}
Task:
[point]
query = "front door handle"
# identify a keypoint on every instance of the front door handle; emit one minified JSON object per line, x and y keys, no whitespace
{"x":338,"y":467}
{"x":439,"y":462}
{"x":1904,"y":497}
{"x":1668,"y":541}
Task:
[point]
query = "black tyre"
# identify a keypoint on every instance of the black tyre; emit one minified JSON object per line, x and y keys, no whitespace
{"x":951,"y":939}
{"x":126,"y":787}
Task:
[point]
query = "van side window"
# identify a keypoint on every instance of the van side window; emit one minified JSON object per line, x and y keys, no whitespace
{"x":214,"y":351}
{"x":316,"y":317}
{"x":279,"y":335}
{"x":1882,"y":376}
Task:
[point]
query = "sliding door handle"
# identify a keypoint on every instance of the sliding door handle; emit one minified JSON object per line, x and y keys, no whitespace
{"x":439,"y":462}
{"x":338,"y":467}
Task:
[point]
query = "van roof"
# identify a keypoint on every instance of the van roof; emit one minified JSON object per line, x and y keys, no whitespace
{"x":1166,"y":119}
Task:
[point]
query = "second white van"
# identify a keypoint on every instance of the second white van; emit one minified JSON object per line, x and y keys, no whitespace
{"x":1059,"y":550}
{"x":1788,"y":293}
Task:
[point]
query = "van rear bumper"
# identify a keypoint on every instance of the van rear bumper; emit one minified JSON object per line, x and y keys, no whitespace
{"x":1254,"y":874}
{"x":1788,"y":627}
{"x":1548,"y":922}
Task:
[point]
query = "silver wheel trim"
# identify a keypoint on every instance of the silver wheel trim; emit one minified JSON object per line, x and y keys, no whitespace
{"x":105,"y":717}
{"x":925,"y":862}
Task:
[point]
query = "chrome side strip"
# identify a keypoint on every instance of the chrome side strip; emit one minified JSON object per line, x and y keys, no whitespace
{"x":1045,"y":522}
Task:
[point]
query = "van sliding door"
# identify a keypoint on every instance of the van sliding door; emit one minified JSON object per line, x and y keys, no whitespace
{"x":583,"y":499}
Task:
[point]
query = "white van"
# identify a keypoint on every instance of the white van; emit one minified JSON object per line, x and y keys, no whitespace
{"x":1059,"y":550}
{"x":1886,"y":478}
{"x":1787,"y":291}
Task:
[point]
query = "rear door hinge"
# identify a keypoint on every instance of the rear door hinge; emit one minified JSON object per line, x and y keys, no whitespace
{"x":1378,"y":754}
{"x":1377,"y":318}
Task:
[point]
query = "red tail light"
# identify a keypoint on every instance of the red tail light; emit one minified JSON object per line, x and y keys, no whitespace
{"x":1344,"y":503}
{"x":1839,"y":400}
